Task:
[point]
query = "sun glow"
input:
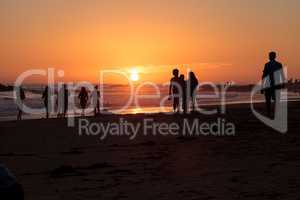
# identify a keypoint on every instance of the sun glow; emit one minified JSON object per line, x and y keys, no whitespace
{"x":134,"y":75}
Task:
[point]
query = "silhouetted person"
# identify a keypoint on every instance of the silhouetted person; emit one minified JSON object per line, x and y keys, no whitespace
{"x":83,"y":97}
{"x":96,"y":100}
{"x":193,"y":84}
{"x":10,"y":189}
{"x":66,"y":100}
{"x":183,"y":95}
{"x":46,"y":100}
{"x":273,"y":80}
{"x":174,"y":90}
{"x":20,"y":100}
{"x":63,"y":101}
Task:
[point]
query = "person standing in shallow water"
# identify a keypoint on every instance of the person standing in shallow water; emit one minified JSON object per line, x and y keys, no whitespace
{"x":65,"y":93}
{"x":96,"y":100}
{"x":83,"y":97}
{"x":45,"y":97}
{"x":183,"y":95}
{"x":63,"y":101}
{"x":20,"y":100}
{"x":193,"y":84}
{"x":174,"y":90}
{"x":273,"y":79}
{"x":66,"y":100}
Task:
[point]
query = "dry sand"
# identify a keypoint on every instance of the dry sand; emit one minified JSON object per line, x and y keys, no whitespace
{"x":52,"y":161}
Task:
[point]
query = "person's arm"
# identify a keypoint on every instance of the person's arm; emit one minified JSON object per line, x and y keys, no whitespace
{"x":170,"y":87}
{"x":264,"y":75}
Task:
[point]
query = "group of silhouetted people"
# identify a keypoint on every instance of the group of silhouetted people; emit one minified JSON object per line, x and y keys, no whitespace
{"x":182,"y":91}
{"x":62,"y":101}
{"x":84,"y":97}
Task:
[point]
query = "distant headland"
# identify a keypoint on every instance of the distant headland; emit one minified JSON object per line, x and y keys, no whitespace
{"x":5,"y":88}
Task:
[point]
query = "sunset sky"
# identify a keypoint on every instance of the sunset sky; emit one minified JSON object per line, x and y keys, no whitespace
{"x":221,"y":40}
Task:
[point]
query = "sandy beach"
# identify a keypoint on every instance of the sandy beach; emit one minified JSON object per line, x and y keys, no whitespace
{"x":52,"y":161}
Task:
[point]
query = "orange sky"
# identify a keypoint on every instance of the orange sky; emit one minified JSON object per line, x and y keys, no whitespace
{"x":221,"y":40}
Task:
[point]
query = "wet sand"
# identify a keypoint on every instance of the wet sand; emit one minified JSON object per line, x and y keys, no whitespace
{"x":52,"y":161}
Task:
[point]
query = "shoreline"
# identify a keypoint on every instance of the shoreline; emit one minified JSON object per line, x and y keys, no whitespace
{"x":228,"y":105}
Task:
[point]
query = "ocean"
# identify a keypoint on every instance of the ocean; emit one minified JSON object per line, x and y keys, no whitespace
{"x":115,"y":97}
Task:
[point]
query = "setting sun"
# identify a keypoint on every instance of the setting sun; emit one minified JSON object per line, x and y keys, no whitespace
{"x":134,"y":75}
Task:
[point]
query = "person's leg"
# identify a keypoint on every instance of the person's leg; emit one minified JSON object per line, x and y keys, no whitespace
{"x":268,"y":102}
{"x":19,"y":115}
{"x":98,"y":107}
{"x":180,"y":104}
{"x":59,"y":111}
{"x":187,"y":104}
{"x":174,"y":107}
{"x":184,"y":105}
{"x":276,"y":97}
{"x":65,"y":110}
{"x":174,"y":104}
{"x":193,"y":101}
{"x":47,"y":109}
{"x":83,"y":108}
